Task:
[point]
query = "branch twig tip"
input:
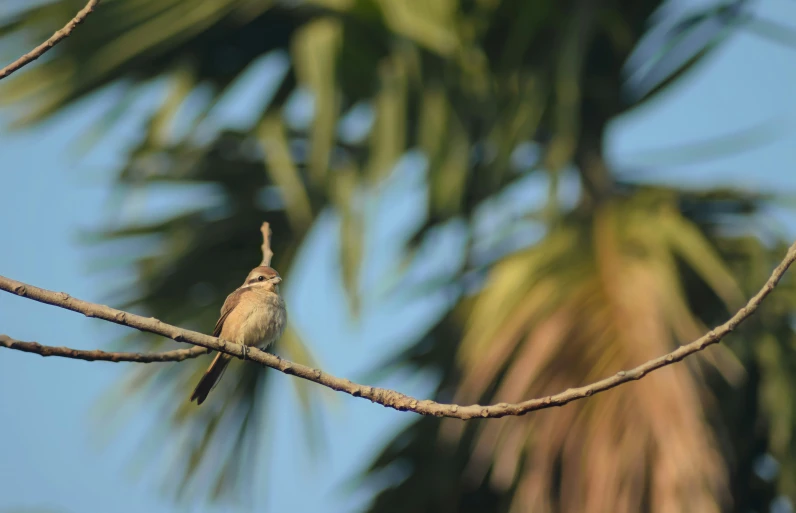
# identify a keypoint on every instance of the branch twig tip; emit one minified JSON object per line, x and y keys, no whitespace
{"x":268,"y":254}
{"x":52,"y":41}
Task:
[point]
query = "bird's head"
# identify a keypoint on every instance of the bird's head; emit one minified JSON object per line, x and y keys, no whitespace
{"x":263,"y":277}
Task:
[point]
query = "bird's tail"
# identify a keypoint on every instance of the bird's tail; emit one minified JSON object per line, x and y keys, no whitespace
{"x":211,"y":377}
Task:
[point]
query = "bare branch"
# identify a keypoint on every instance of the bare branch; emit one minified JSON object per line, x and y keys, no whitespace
{"x":54,"y":40}
{"x":391,"y":398}
{"x":176,"y":355}
{"x":267,"y":253}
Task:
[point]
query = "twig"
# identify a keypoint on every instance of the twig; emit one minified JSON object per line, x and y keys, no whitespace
{"x":54,"y":40}
{"x":267,"y":253}
{"x":391,"y":398}
{"x":176,"y":355}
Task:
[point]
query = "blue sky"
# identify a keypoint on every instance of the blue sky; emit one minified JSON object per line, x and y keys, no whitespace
{"x":58,"y":450}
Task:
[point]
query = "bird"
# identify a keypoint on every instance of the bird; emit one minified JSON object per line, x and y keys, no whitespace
{"x":254,"y":314}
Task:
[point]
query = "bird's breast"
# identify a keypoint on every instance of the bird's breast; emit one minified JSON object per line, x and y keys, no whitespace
{"x":259,"y":322}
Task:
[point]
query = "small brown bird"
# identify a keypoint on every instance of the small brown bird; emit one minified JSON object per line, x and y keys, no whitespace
{"x":253,"y":315}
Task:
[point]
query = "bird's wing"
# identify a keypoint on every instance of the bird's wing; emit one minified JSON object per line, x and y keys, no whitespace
{"x":229,"y":305}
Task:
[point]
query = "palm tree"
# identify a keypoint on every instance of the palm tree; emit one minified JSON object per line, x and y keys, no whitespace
{"x":492,"y":93}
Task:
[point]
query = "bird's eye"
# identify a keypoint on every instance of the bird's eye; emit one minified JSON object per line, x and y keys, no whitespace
{"x":260,"y":278}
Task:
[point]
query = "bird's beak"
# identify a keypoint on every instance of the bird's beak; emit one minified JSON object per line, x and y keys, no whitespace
{"x":277,"y":279}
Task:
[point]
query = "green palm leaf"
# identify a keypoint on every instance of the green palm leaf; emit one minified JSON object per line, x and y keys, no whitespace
{"x":624,"y":276}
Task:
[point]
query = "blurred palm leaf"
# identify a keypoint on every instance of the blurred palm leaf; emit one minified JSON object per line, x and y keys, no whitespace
{"x":602,"y":299}
{"x":623,"y":277}
{"x":598,"y":295}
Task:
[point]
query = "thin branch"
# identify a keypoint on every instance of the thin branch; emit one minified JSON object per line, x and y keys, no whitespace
{"x":176,"y":355}
{"x":267,"y":253}
{"x":391,"y":398}
{"x":54,"y":40}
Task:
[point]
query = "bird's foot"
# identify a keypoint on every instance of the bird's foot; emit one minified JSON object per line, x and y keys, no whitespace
{"x":245,"y":352}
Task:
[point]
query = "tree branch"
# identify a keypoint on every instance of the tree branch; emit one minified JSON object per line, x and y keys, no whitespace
{"x":391,"y":398}
{"x":268,"y":255}
{"x":176,"y":355}
{"x":54,"y":40}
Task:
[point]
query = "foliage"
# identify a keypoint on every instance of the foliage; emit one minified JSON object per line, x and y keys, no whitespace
{"x":605,"y":292}
{"x":475,"y":85}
